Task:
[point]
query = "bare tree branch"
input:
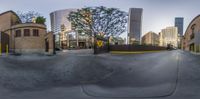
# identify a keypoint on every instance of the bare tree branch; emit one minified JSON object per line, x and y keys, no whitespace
{"x":110,"y":21}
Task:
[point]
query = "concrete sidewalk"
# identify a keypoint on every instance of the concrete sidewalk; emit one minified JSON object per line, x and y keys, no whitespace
{"x":134,"y":52}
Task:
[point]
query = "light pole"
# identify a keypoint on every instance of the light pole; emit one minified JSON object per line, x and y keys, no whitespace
{"x":95,"y":47}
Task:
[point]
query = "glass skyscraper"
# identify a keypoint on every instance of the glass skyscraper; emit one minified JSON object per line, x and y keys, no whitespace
{"x":58,"y":19}
{"x":179,"y":21}
{"x":135,"y":25}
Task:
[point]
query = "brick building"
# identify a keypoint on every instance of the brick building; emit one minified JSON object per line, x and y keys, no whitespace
{"x":25,"y":38}
{"x":191,"y":41}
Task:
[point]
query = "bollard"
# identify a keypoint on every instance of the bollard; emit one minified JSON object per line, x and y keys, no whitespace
{"x":6,"y":49}
{"x":0,"y":50}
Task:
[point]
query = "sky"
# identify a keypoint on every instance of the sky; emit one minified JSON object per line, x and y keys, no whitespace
{"x":157,"y":14}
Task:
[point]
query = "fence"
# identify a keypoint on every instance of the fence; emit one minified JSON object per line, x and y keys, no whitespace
{"x":135,"y":48}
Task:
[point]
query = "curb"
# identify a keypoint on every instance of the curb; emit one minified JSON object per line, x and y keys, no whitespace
{"x":133,"y":52}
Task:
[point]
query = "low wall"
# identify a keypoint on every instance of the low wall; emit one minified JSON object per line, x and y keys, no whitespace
{"x":135,"y":48}
{"x":29,"y":51}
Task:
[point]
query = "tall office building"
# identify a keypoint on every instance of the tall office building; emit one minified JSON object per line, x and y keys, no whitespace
{"x":66,"y":38}
{"x":58,"y":20}
{"x":135,"y":25}
{"x":169,"y":35}
{"x":179,"y":21}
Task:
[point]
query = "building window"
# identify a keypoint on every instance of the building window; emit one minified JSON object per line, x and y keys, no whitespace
{"x":26,"y":32}
{"x":192,"y":36}
{"x":35,"y":32}
{"x":193,"y":32}
{"x":18,"y":33}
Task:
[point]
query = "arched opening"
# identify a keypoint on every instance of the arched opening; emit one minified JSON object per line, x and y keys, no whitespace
{"x":4,"y":41}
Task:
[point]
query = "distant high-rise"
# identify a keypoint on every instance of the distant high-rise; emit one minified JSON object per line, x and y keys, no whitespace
{"x":169,"y":35}
{"x":135,"y":25}
{"x":179,"y":21}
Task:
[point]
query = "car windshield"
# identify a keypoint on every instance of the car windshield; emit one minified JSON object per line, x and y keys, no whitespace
{"x":99,"y":49}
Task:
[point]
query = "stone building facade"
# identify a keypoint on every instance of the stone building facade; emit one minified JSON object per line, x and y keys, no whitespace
{"x":191,"y":40}
{"x":150,"y":38}
{"x":25,"y":38}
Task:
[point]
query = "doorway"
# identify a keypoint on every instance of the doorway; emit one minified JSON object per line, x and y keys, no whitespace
{"x":46,"y":45}
{"x":192,"y":47}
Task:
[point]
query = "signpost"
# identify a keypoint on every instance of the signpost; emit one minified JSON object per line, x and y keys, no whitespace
{"x":101,"y":45}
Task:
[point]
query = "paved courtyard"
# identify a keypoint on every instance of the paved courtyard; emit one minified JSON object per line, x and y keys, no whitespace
{"x":78,"y":74}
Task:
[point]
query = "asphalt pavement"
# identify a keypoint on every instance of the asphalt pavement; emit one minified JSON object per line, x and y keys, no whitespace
{"x":81,"y":75}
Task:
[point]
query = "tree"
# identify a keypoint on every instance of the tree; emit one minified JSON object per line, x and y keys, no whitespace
{"x":27,"y":16}
{"x":99,"y":20}
{"x":40,"y":20}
